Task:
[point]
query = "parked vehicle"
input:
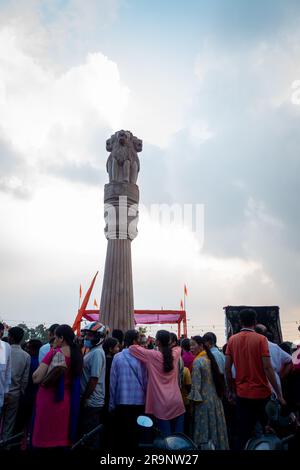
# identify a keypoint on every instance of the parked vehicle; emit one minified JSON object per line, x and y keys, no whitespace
{"x":151,"y":438}
{"x":283,"y":430}
{"x":267,"y":315}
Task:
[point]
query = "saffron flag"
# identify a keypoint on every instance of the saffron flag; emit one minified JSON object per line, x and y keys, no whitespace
{"x":80,"y":291}
{"x":185,"y":290}
{"x":81,"y":310}
{"x":95,"y":303}
{"x":181,"y":304}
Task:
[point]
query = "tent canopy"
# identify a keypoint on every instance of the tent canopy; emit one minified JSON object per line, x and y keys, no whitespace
{"x":141,"y":317}
{"x":149,"y":317}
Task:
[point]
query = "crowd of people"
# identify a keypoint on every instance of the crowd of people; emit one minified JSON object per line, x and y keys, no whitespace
{"x":58,"y":392}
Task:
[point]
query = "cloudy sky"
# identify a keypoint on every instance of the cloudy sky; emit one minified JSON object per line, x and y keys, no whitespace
{"x":210,"y":86}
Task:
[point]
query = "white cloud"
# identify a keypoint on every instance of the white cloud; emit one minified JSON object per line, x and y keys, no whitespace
{"x":36,"y":103}
{"x":61,"y":96}
{"x":199,"y":132}
{"x":49,"y":245}
{"x":257,"y":214}
{"x":166,"y":257}
{"x":15,"y":185}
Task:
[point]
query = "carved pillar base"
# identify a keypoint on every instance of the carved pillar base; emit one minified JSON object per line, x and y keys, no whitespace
{"x":117,"y":291}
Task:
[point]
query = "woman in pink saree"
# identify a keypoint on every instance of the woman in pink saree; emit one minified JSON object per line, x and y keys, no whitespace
{"x":57,"y":405}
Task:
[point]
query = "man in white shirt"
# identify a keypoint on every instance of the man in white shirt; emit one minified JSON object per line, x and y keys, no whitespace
{"x":5,"y":371}
{"x":20,"y":364}
{"x":281,"y":361}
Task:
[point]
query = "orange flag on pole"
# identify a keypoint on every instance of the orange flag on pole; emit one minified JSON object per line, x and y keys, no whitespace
{"x":185,"y":290}
{"x":181,"y":304}
{"x":95,"y":303}
{"x":76,"y":324}
{"x":80,"y":291}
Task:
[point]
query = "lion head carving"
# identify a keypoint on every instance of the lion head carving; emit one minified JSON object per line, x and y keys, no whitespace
{"x":123,"y":163}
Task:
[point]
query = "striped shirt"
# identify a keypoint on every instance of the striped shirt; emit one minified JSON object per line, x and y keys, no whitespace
{"x":126,"y":386}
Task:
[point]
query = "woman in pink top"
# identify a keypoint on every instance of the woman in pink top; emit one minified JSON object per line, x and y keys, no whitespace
{"x":163,"y":399}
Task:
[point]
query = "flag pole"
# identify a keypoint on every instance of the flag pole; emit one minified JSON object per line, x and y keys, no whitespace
{"x":79,"y":297}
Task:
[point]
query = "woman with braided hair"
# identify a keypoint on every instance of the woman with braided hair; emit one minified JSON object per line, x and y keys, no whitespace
{"x":163,"y":396}
{"x":208,"y":421}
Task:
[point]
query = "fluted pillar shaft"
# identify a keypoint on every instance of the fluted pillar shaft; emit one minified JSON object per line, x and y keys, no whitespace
{"x":117,"y":291}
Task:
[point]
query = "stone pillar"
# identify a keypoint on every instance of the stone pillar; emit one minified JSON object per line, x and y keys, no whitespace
{"x":121,"y":198}
{"x":117,"y":292}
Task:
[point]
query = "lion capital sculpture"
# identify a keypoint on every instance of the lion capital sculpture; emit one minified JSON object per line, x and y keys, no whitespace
{"x":123,"y":162}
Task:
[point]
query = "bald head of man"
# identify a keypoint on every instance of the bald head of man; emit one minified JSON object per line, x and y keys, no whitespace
{"x":261,"y":329}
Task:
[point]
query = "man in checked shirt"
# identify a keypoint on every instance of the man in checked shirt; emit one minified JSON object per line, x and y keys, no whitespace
{"x":128,"y":385}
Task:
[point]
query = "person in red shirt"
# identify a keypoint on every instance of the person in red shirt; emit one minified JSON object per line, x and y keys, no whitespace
{"x":249,"y":352}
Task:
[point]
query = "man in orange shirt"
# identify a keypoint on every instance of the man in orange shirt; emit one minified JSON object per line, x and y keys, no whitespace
{"x":249,"y":352}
